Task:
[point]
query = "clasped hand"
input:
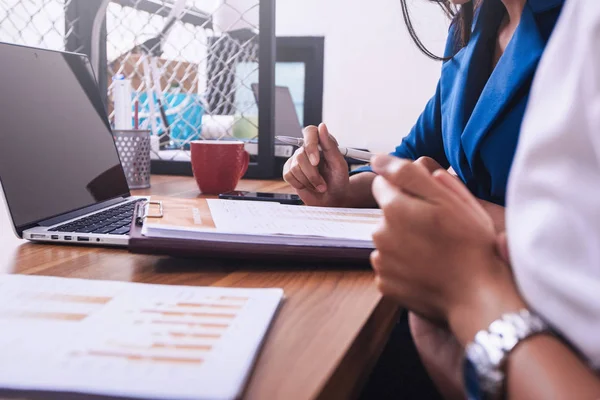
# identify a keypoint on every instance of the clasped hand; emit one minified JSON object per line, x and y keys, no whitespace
{"x":436,"y":246}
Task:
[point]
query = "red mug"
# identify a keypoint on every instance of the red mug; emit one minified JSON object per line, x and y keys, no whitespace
{"x":218,"y":165}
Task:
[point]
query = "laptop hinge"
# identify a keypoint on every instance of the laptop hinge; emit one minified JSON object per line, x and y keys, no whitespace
{"x":80,"y":212}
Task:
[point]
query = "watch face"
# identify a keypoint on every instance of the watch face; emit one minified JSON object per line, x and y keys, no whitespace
{"x":472,"y":386}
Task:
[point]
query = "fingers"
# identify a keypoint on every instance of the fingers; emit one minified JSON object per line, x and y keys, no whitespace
{"x":409,"y":177}
{"x":386,"y":193}
{"x":311,"y":144}
{"x":379,"y":267}
{"x":457,"y":187}
{"x":463,"y":194}
{"x":318,"y":139}
{"x":309,"y":171}
{"x":301,"y":174}
{"x":297,"y":173}
{"x":502,"y":247}
{"x":289,"y":177}
{"x":429,"y":164}
{"x":295,"y":183}
{"x":404,"y":216}
{"x":383,"y":238}
{"x":396,"y":204}
{"x":329,"y":144}
{"x":302,"y":181}
{"x":390,"y":287}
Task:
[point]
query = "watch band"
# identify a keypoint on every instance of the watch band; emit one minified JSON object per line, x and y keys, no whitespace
{"x":488,"y":352}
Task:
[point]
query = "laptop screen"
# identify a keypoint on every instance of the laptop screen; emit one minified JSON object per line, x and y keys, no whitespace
{"x":57,"y":153}
{"x":286,"y":117}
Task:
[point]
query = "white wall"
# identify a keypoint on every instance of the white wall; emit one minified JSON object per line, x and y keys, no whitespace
{"x":376,"y":80}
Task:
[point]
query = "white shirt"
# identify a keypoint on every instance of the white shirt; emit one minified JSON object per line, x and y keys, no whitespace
{"x":553,"y":203}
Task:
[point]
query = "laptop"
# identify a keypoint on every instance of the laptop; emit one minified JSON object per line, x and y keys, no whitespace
{"x":287,"y":122}
{"x":59,"y":167}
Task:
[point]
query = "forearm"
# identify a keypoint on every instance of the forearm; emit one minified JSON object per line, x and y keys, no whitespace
{"x":359,"y":194}
{"x":545,"y":368}
{"x":498,"y":214}
{"x":540,"y":367}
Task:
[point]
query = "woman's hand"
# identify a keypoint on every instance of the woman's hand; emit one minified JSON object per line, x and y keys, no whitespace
{"x":319,"y":179}
{"x":436,"y":247}
{"x":495,"y":211}
{"x":440,"y":352}
{"x":429,"y":164}
{"x":441,"y":355}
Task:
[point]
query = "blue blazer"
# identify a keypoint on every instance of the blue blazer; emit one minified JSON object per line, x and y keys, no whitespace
{"x":472,"y":123}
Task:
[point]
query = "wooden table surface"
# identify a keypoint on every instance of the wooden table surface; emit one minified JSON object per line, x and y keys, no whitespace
{"x":325,"y":339}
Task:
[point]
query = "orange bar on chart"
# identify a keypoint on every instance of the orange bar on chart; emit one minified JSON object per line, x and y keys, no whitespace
{"x":43,"y":315}
{"x":199,"y":324}
{"x":167,"y":346}
{"x":140,"y":357}
{"x":183,"y":314}
{"x":195,"y":335}
{"x":233,"y":298}
{"x":71,"y":298}
{"x":196,"y":347}
{"x":201,"y":305}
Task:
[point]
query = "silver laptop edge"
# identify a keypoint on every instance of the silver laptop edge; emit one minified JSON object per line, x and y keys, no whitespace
{"x":42,"y":233}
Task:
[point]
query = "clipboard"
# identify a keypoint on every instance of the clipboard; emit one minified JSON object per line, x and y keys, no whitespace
{"x":239,"y":250}
{"x":143,"y":211}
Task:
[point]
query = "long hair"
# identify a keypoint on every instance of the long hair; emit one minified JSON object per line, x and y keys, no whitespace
{"x":461,"y":16}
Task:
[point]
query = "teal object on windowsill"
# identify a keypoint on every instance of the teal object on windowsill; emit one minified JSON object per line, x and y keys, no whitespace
{"x":184,"y":115}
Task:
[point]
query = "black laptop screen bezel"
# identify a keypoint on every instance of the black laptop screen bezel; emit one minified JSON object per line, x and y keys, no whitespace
{"x":22,"y":228}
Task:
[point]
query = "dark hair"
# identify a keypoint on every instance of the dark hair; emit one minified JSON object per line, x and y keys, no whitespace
{"x":461,"y":16}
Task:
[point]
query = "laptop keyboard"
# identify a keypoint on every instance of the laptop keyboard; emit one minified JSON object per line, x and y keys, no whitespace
{"x":114,"y":221}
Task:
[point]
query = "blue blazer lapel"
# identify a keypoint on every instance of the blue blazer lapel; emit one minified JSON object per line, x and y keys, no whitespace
{"x":515,"y":67}
{"x":463,"y":79}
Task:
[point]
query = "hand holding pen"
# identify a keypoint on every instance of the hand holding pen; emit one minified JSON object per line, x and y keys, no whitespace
{"x":348,"y":152}
{"x":318,"y":170}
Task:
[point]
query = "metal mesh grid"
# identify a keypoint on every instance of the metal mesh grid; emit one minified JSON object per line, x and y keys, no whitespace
{"x":39,"y":23}
{"x":203,"y":72}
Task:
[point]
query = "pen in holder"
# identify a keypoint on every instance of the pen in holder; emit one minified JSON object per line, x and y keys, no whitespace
{"x":134,"y":151}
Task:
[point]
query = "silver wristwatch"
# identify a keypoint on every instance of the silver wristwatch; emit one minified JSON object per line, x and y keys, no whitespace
{"x":485,"y":357}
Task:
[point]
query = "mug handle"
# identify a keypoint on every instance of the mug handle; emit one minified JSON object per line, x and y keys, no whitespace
{"x":245,"y":165}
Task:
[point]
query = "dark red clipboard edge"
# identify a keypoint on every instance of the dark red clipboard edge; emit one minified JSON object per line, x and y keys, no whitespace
{"x":189,"y":248}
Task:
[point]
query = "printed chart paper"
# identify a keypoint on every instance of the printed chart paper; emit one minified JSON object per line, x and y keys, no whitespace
{"x":130,"y":339}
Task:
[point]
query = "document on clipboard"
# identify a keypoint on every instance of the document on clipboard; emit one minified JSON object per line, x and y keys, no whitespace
{"x":255,"y":228}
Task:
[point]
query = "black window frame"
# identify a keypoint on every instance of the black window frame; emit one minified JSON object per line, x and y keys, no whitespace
{"x":309,"y":50}
{"x":306,"y":49}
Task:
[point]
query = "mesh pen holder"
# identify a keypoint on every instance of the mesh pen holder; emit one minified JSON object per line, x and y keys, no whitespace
{"x":134,"y":151}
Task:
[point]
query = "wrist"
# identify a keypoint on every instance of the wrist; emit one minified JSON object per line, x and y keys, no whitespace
{"x":488,"y":302}
{"x":358,"y":193}
{"x":348,"y":200}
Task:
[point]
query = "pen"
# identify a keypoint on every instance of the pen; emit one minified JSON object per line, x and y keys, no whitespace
{"x":136,"y":118}
{"x":346,"y":152}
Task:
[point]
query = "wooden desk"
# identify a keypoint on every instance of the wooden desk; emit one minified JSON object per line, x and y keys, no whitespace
{"x":324,"y":341}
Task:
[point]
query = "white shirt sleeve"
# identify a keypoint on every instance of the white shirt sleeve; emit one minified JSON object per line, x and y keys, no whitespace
{"x":553,"y":205}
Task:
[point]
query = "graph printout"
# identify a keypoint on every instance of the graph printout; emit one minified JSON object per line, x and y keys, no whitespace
{"x":129,"y":339}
